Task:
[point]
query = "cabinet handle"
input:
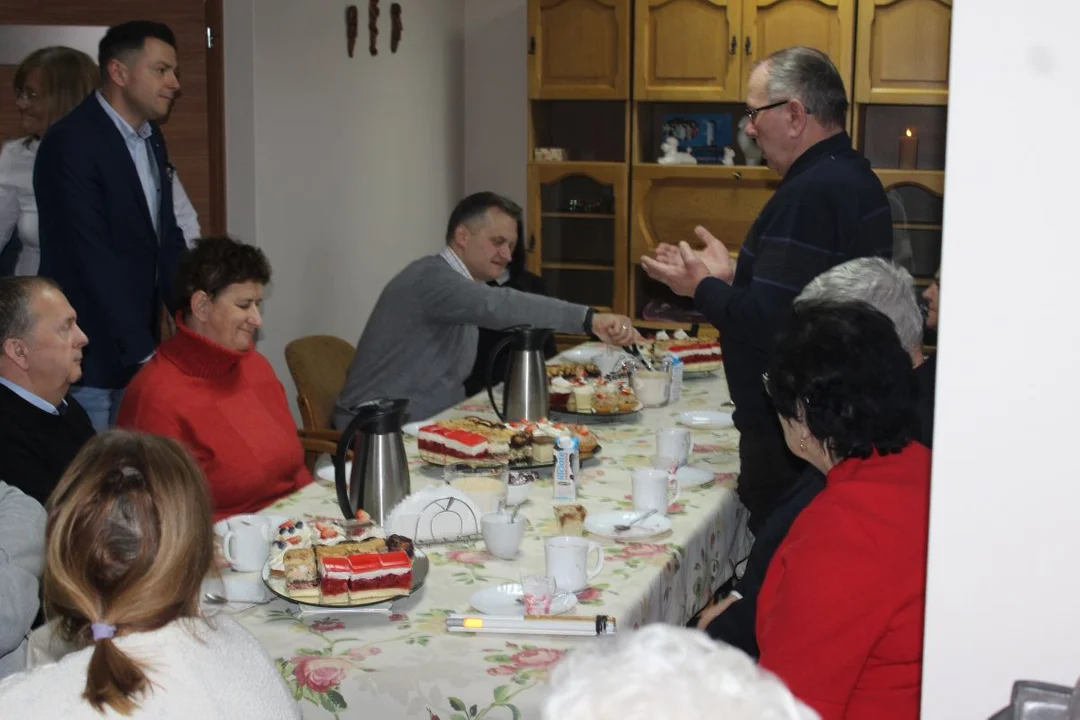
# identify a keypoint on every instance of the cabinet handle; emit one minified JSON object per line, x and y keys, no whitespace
{"x":532,"y":44}
{"x":734,"y":45}
{"x":748,"y":52}
{"x":532,"y":243}
{"x":737,"y":175}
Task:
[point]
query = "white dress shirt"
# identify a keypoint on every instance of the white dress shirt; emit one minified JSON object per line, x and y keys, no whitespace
{"x":18,"y":209}
{"x":138,"y":145}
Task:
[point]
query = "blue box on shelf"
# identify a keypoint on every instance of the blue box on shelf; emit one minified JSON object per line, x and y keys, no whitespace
{"x":703,"y":135}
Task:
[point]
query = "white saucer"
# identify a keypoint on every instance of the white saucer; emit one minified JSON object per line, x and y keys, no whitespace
{"x":603,"y":524}
{"x":503,"y":600}
{"x":705,"y":419}
{"x":326,"y":472}
{"x":694,"y":475}
{"x":582,"y":355}
{"x":222,"y":526}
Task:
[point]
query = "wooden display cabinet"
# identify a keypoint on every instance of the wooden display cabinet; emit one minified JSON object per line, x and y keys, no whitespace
{"x":579,"y":49}
{"x":903,"y":52}
{"x":679,"y":54}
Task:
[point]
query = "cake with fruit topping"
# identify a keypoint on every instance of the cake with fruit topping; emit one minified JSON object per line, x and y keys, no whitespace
{"x":515,"y":442}
{"x":374,"y":577}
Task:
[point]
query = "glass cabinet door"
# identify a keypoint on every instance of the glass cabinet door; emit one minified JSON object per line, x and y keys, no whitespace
{"x":577,"y":232}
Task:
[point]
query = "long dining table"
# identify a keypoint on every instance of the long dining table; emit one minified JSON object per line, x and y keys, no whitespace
{"x":407,"y":665}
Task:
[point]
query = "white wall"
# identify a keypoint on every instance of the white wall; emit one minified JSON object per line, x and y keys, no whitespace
{"x":342,"y":170}
{"x":1004,"y":581}
{"x":496,"y":92}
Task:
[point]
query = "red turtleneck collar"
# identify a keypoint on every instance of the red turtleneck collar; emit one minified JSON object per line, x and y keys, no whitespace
{"x":198,"y":355}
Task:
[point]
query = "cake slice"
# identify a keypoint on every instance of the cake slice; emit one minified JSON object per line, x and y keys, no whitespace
{"x":379,"y":576}
{"x":437,"y":442}
{"x":301,"y":578}
{"x":335,"y":572}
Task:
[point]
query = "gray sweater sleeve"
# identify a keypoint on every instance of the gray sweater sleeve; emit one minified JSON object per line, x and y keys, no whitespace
{"x":22,"y":555}
{"x":454,"y":299}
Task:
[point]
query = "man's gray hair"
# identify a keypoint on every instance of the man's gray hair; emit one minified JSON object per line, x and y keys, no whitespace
{"x":684,"y":674}
{"x":15,"y":296}
{"x":809,"y":75}
{"x":883,"y":285}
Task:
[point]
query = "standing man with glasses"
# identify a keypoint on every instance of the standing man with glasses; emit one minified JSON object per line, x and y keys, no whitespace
{"x":828,"y":208}
{"x":109,"y":235}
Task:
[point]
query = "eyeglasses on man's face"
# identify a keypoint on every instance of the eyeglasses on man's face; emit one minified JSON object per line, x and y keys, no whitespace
{"x":752,"y":113}
{"x":25,"y":94}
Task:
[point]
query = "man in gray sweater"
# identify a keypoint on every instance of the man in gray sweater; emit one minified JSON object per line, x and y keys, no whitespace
{"x":22,"y":557}
{"x":420,"y":341}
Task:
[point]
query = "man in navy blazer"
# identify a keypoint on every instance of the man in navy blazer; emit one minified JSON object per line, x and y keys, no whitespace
{"x":109,"y":235}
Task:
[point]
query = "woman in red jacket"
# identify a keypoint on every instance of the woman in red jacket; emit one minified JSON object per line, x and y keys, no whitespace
{"x":840,"y":614}
{"x":210,"y":389}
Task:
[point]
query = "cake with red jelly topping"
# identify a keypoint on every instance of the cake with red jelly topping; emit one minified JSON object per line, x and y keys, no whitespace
{"x":334,"y":574}
{"x":697,"y":354}
{"x":381,"y":576}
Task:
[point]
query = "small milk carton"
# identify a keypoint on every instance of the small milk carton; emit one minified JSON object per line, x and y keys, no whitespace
{"x":567,"y":464}
{"x":676,"y":379}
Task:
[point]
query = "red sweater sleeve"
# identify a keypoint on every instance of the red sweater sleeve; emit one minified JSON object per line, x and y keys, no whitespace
{"x":822,"y":574}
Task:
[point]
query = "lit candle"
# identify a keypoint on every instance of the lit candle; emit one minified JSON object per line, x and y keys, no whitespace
{"x":909,"y":150}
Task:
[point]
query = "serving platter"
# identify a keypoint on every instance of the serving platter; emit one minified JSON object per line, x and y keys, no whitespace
{"x":420,"y":567}
{"x":526,"y":465}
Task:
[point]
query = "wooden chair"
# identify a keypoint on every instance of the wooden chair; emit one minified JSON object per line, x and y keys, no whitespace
{"x":318,"y":365}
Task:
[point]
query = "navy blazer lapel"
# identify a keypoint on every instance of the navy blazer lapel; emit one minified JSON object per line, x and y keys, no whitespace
{"x":118,"y":147}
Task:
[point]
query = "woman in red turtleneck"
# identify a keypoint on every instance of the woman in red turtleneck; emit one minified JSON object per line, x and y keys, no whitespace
{"x":210,"y":389}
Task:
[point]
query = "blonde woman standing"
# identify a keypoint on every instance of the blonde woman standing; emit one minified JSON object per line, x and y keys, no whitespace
{"x":128,"y":543}
{"x":48,"y":83}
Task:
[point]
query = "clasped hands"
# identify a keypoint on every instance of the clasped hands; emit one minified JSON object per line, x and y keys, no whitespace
{"x":682,"y":268}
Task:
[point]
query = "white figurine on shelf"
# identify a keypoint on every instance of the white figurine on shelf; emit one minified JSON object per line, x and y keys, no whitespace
{"x":729,"y":156}
{"x":748,"y":145}
{"x":671,"y":154}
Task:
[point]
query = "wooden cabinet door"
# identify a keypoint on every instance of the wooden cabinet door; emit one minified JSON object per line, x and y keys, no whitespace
{"x":687,"y":50}
{"x":577,"y":231}
{"x":579,"y":49}
{"x":827,"y":25}
{"x":903,"y":52}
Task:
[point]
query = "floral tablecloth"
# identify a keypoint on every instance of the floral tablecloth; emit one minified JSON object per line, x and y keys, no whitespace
{"x":367,"y":666}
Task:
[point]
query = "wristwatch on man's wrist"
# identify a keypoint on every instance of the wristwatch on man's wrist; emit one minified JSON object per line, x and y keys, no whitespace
{"x":587,"y":325}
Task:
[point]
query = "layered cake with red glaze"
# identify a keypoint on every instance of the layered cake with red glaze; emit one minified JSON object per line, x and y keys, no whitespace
{"x":335,"y":572}
{"x":441,"y":445}
{"x":381,"y":576}
{"x":697,"y":354}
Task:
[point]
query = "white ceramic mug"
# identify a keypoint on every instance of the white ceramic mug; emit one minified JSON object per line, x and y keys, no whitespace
{"x":502,"y":537}
{"x":246,"y":548}
{"x":651,"y":489}
{"x":675,"y":443}
{"x":567,"y":560}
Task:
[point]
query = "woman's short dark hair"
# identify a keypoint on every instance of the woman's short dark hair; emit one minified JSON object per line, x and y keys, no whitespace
{"x":214,"y":264}
{"x":840,"y":368}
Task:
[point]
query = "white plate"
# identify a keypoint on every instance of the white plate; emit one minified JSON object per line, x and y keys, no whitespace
{"x":326,"y":472}
{"x":705,"y":419}
{"x":582,"y":355}
{"x":694,"y":475}
{"x":413,"y":429}
{"x":222,"y":526}
{"x":603,"y":524}
{"x":503,"y":600}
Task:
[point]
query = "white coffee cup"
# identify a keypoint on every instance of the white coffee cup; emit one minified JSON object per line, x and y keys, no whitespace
{"x":675,"y":443}
{"x":567,"y":560}
{"x":502,"y":537}
{"x":651,"y":489}
{"x":246,"y":548}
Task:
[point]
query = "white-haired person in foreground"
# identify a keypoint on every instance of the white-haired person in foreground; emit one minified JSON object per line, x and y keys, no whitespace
{"x":890,"y":289}
{"x":682,"y":673}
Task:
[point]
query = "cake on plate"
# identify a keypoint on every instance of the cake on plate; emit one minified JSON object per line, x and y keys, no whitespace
{"x":697,"y":354}
{"x":478,"y":441}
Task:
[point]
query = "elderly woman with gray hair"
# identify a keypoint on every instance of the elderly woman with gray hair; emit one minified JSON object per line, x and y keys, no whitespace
{"x":687,"y":676}
{"x":888,"y":288}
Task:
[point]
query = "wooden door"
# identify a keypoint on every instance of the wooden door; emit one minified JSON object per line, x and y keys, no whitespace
{"x":827,"y":25}
{"x":687,"y":50}
{"x":194,"y":131}
{"x":577,"y":231}
{"x":903,"y":52}
{"x":579,"y":49}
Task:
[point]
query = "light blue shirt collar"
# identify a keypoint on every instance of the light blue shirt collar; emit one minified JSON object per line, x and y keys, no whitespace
{"x":30,"y":397}
{"x":143,"y":133}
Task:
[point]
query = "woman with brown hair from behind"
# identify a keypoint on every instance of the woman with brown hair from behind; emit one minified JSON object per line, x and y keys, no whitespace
{"x":128,"y":543}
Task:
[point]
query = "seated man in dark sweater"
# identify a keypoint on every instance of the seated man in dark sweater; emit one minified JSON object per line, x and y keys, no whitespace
{"x":41,"y":426}
{"x":886,"y":287}
{"x":829,"y":207}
